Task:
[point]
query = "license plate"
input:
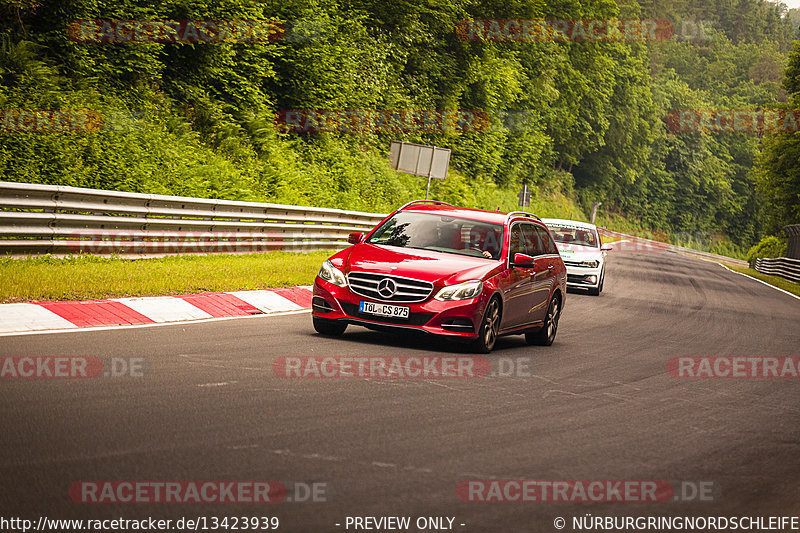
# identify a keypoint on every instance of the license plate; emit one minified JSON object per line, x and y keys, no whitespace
{"x":395,"y":311}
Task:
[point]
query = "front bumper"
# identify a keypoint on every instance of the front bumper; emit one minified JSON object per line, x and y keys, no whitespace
{"x":584,"y":277}
{"x":457,"y":319}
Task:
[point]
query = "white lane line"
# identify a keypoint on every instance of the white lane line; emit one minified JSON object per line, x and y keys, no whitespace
{"x":267,"y":301}
{"x":442,"y":385}
{"x":75,"y":329}
{"x":761,"y":281}
{"x":27,"y":317}
{"x":335,"y":459}
{"x":164,"y":308}
{"x":201,"y":362}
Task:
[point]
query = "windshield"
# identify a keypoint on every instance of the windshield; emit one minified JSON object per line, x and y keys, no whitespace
{"x":575,"y":236}
{"x":441,"y":234}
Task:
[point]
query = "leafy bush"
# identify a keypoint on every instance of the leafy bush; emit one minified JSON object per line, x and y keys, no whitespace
{"x":769,"y":246}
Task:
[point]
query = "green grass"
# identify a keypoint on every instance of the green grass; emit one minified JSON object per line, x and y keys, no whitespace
{"x":777,"y":281}
{"x":88,"y":278}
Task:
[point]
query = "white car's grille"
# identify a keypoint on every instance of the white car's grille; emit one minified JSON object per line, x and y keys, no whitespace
{"x":581,"y":264}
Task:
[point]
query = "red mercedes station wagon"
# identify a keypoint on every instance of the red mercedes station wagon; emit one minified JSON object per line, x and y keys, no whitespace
{"x":467,"y":274}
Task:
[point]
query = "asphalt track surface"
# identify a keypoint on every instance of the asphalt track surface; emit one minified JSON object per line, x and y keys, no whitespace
{"x":598,"y":405}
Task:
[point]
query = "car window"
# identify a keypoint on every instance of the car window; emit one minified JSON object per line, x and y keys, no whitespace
{"x":480,"y":237}
{"x":532,"y":240}
{"x":576,"y":236}
{"x":524,"y":240}
{"x":441,"y":233}
{"x":514,"y":246}
{"x":548,"y":246}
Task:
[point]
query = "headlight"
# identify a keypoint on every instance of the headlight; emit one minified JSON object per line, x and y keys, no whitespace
{"x":590,"y":264}
{"x":461,"y":291}
{"x":331,"y":274}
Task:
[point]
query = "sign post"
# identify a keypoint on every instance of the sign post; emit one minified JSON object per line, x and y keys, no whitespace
{"x":420,"y":160}
{"x":524,"y":196}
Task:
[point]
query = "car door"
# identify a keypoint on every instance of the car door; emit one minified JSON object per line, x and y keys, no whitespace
{"x":514,"y":281}
{"x":541,"y":278}
{"x":522,"y":293}
{"x":546,"y":275}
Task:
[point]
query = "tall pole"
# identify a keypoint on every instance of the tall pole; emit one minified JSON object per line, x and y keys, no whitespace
{"x":430,"y":172}
{"x":594,"y":210}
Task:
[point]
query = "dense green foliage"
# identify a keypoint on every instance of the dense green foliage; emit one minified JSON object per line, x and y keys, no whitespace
{"x":578,"y":122}
{"x":769,"y":246}
{"x":779,"y":172}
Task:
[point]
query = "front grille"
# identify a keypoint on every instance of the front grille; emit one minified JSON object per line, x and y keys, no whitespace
{"x":414,"y":319}
{"x":407,"y":290}
{"x":577,"y":264}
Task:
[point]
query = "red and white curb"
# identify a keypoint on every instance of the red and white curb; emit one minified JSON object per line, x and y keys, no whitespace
{"x":42,"y":316}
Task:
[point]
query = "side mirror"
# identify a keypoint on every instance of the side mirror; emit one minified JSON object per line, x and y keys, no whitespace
{"x":606,"y":248}
{"x":522,"y":260}
{"x":355,"y":238}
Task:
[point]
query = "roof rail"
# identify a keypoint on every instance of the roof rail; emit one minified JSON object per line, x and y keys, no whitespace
{"x":521,"y":213}
{"x":437,"y":202}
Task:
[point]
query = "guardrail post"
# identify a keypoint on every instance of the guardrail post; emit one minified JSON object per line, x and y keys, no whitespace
{"x":793,"y":244}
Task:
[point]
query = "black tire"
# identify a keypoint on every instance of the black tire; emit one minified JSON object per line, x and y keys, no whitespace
{"x":331,"y":328}
{"x":490,"y":326}
{"x":545,"y":335}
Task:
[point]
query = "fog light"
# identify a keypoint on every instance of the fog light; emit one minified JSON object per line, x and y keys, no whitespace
{"x":591,"y":279}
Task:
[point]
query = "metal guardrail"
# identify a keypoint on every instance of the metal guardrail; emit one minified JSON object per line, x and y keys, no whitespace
{"x":784,"y":267}
{"x":792,"y":241}
{"x":707,"y":255}
{"x":640,"y":244}
{"x":40,"y":219}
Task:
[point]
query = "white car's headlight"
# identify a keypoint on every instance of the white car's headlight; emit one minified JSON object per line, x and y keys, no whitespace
{"x":590,"y":264}
{"x":331,"y":274}
{"x":461,"y":291}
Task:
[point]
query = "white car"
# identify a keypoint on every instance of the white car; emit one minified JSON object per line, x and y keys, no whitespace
{"x":583,"y":253}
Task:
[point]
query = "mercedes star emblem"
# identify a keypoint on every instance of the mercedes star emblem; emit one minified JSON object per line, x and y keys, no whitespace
{"x":387,"y":288}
